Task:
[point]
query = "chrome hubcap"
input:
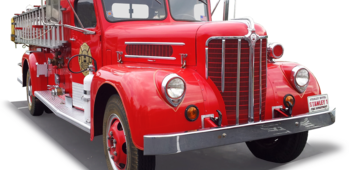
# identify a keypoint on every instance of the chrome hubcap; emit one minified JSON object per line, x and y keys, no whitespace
{"x":116,"y":143}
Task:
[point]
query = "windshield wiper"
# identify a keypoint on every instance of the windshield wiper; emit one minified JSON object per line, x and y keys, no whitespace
{"x":158,"y":1}
{"x":203,"y":1}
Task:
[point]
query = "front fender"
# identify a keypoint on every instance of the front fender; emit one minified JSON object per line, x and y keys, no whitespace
{"x":146,"y":110}
{"x":279,"y":85}
{"x":38,"y":83}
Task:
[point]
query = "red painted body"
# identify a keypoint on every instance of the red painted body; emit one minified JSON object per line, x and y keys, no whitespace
{"x":137,"y":80}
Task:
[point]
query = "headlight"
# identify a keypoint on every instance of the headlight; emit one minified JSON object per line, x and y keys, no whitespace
{"x":173,"y":86}
{"x":300,"y":78}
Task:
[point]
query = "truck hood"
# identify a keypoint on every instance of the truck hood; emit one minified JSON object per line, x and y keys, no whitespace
{"x":192,"y":34}
{"x":160,"y":32}
{"x":153,"y":32}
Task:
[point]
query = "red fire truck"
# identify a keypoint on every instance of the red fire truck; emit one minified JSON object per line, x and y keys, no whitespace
{"x":159,"y":77}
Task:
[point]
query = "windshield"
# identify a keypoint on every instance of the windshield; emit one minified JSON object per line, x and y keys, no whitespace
{"x":118,"y":10}
{"x":189,"y":10}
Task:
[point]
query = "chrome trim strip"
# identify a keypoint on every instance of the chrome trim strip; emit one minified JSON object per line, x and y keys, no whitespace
{"x":250,"y":25}
{"x":232,"y":37}
{"x":84,"y":31}
{"x":223,"y":66}
{"x":19,"y":79}
{"x":238,"y":83}
{"x":203,"y":117}
{"x":155,"y":43}
{"x":167,"y":143}
{"x":251,"y":85}
{"x":227,"y":38}
{"x":266,"y":65}
{"x":150,"y":57}
{"x":273,"y":108}
{"x":260,"y":79}
{"x":206,"y":67}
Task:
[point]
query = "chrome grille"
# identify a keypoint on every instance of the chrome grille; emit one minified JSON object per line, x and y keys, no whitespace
{"x":237,"y":66}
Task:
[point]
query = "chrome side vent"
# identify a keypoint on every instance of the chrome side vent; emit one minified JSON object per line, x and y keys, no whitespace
{"x":149,"y":50}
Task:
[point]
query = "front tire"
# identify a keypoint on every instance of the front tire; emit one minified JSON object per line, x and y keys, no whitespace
{"x":120,"y":152}
{"x":280,"y":149}
{"x":36,"y":108}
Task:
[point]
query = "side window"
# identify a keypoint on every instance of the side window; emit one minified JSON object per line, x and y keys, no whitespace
{"x":86,"y":12}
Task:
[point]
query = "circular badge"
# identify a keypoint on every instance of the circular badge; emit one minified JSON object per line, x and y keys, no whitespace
{"x":85,"y":61}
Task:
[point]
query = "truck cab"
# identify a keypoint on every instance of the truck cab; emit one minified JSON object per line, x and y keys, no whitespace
{"x":160,"y":77}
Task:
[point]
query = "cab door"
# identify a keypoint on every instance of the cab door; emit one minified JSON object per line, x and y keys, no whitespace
{"x":82,"y":43}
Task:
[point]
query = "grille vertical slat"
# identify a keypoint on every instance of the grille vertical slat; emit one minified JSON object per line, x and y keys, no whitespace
{"x":257,"y":73}
{"x":238,"y":82}
{"x":223,"y":65}
{"x":260,"y":78}
{"x":228,"y":66}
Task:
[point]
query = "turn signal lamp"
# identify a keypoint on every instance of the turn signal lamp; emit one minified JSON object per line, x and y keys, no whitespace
{"x":275,"y":50}
{"x":289,"y":102}
{"x":191,"y":113}
{"x":289,"y":99}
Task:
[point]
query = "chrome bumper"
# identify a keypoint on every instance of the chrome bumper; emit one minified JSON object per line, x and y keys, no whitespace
{"x":179,"y":142}
{"x":19,"y":80}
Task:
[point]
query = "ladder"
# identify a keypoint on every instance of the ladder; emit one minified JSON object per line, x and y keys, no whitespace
{"x":30,"y":29}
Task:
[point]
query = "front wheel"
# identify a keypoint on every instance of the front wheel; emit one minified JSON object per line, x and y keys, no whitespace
{"x":36,"y":108}
{"x":279,"y":149}
{"x":120,"y":152}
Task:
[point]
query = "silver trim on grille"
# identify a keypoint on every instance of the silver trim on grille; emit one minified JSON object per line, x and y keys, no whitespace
{"x":251,"y":38}
{"x":251,"y":84}
{"x":260,"y":80}
{"x":238,"y":83}
{"x":252,"y":42}
{"x":206,"y":68}
{"x":223,"y":66}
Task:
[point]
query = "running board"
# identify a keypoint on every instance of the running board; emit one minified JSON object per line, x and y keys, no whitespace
{"x":58,"y":107}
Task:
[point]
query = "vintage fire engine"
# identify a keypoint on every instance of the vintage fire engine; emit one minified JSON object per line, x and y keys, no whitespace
{"x":159,"y":77}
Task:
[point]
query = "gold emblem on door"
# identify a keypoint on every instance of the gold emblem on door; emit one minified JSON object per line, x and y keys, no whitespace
{"x":85,"y":61}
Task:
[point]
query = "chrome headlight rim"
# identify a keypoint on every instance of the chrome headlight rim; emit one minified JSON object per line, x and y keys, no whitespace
{"x":271,"y":53}
{"x":173,"y":101}
{"x":294,"y":73}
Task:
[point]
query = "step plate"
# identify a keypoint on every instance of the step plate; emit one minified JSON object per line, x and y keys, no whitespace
{"x":57,"y":105}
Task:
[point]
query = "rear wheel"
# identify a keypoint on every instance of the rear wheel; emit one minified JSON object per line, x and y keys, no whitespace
{"x":120,"y":152}
{"x":280,"y":149}
{"x":36,"y":108}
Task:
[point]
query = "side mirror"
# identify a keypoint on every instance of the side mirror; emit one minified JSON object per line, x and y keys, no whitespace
{"x":53,"y":11}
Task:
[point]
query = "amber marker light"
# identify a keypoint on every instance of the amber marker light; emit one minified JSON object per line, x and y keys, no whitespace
{"x":289,"y":99}
{"x":191,"y":113}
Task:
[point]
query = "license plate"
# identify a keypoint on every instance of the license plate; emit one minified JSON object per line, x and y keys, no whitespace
{"x":318,"y":103}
